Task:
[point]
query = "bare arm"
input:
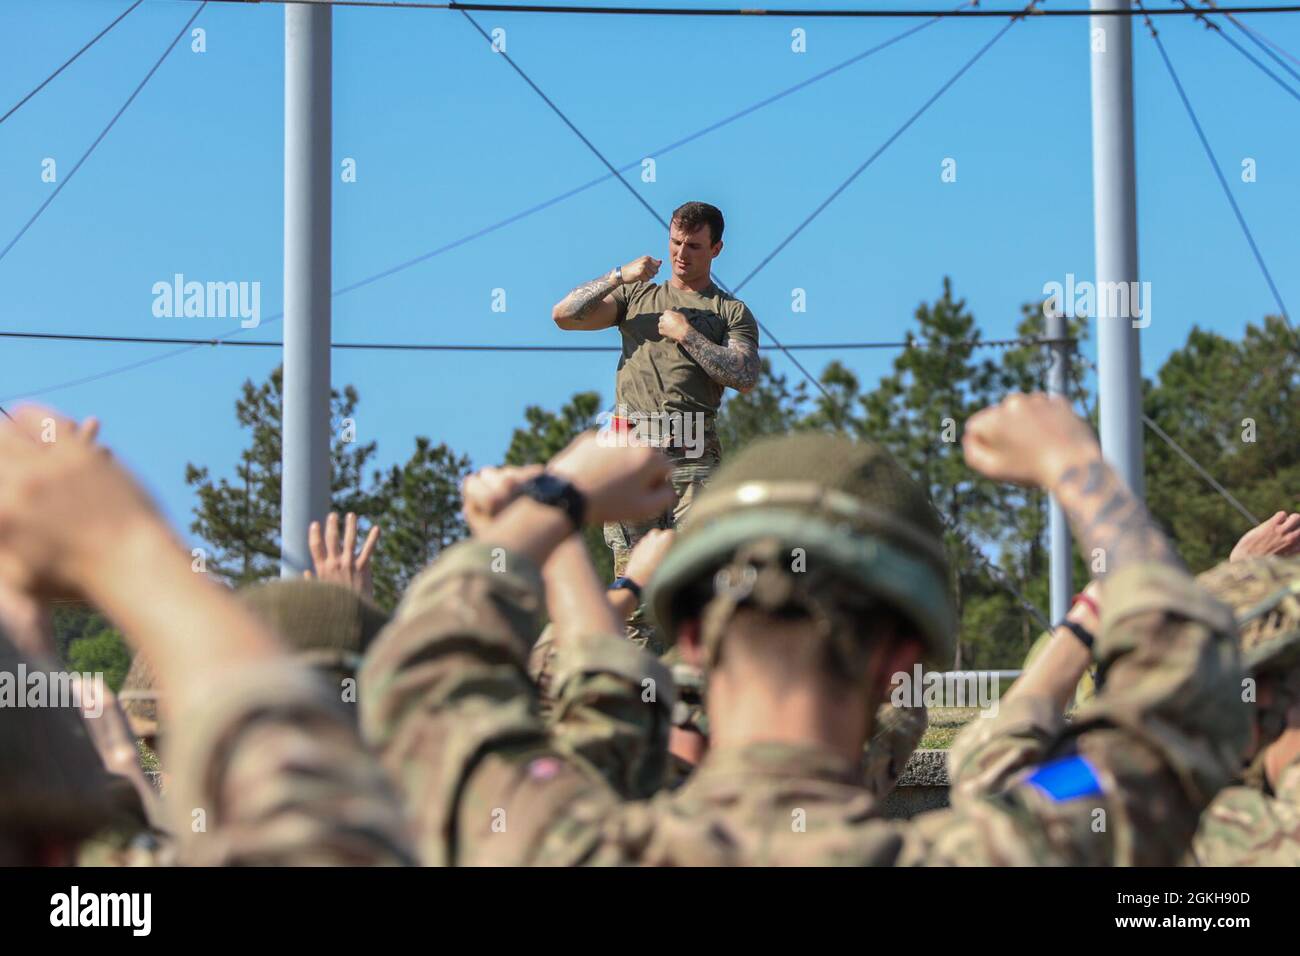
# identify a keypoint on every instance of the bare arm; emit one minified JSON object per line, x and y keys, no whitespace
{"x":1108,"y":518}
{"x":589,"y":306}
{"x":734,"y":365}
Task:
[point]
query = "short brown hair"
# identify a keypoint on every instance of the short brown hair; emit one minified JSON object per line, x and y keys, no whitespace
{"x":690,"y":216}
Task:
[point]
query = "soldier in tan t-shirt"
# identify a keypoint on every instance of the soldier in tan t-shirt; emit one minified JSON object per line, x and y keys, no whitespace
{"x":684,"y":342}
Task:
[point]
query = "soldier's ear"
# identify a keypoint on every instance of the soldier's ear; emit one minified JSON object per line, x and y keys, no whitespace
{"x":688,"y":639}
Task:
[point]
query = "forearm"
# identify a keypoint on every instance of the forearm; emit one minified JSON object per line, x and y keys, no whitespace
{"x":575,"y":598}
{"x":190,"y":628}
{"x":624,"y":602}
{"x":1055,"y":675}
{"x":579,"y":303}
{"x":1108,"y":520}
{"x":734,"y":366}
{"x":529,"y":529}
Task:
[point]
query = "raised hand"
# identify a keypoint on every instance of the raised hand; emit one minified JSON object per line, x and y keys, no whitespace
{"x":1028,"y":440}
{"x":485,"y":492}
{"x":641,"y":269}
{"x":619,"y":483}
{"x":66,"y":506}
{"x":1277,"y":536}
{"x":338,"y":561}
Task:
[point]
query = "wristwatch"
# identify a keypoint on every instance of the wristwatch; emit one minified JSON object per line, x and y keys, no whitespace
{"x":626,"y":584}
{"x":618,"y":274}
{"x":552,"y":490}
{"x":1085,"y":636}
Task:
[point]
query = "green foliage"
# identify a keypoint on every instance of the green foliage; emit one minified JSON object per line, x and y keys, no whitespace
{"x":103,"y":652}
{"x":419,"y":507}
{"x":240,"y":520}
{"x":1205,"y":397}
{"x":417,"y":504}
{"x":548,"y":433}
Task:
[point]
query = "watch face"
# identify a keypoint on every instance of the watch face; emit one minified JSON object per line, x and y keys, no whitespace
{"x":547,"y":488}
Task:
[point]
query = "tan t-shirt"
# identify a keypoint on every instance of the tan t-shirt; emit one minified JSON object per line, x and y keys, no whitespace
{"x":655,"y":373}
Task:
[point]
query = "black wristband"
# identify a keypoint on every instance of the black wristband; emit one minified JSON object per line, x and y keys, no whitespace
{"x":627,"y":584}
{"x":552,"y":490}
{"x":1078,"y":630}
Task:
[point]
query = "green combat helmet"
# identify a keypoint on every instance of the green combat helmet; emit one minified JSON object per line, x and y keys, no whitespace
{"x":816,"y":521}
{"x":324,"y":625}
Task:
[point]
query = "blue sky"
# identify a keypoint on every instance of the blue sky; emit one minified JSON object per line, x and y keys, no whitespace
{"x":448,"y":140}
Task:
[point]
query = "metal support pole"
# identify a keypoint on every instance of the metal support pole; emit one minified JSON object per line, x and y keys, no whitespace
{"x":1115,"y":234}
{"x":305,"y":471}
{"x":1058,"y":527}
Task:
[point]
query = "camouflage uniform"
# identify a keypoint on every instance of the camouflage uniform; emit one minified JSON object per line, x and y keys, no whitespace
{"x":448,"y":705}
{"x":1254,"y":823}
{"x":268,"y":770}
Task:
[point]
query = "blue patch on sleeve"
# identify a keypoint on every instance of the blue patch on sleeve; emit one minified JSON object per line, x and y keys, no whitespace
{"x":1066,"y":779}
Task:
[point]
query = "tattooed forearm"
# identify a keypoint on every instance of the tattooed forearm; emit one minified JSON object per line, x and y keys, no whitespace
{"x":575,"y":306}
{"x":1106,"y":517}
{"x":734,"y":365}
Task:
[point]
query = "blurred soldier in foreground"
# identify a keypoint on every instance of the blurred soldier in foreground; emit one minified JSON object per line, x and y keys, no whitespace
{"x":797,"y":663}
{"x":264,"y":768}
{"x":1257,"y":822}
{"x":54,"y":792}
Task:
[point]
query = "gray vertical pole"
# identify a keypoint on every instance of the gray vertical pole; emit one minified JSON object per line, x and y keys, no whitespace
{"x":305,"y":472}
{"x":1058,"y":527}
{"x":1115,"y":234}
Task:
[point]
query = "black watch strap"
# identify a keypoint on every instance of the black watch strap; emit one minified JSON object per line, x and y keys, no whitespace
{"x":1078,"y":630}
{"x":626,"y":583}
{"x":552,"y":490}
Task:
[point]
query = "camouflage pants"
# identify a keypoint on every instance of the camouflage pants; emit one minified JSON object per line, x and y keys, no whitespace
{"x":690,"y":476}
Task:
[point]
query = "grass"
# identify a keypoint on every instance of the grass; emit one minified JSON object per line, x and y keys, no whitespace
{"x":945,"y":724}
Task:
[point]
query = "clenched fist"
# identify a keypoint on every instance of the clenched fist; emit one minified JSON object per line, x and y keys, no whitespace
{"x":620,"y":484}
{"x":65,"y":505}
{"x":489,"y":490}
{"x":642,"y":269}
{"x":1028,"y":440}
{"x":673,"y":325}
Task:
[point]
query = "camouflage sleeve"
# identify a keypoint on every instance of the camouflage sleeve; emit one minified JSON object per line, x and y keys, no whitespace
{"x":269,"y":771}
{"x":1127,"y":779}
{"x":613,"y":705}
{"x":1245,"y":826}
{"x":993,"y":748}
{"x":448,"y":703}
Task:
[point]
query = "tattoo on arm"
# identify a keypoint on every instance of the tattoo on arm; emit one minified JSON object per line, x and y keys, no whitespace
{"x":579,"y":303}
{"x":1106,"y":516}
{"x":734,"y":365}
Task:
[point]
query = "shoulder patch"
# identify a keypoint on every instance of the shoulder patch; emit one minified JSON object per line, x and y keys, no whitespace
{"x":1067,"y":778}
